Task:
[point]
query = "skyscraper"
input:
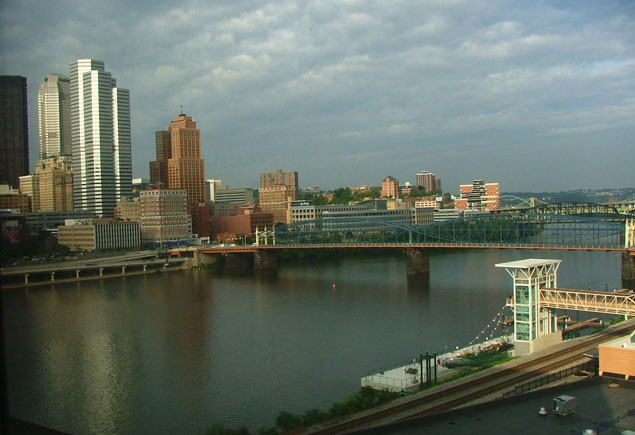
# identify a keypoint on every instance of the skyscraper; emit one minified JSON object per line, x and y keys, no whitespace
{"x":101,"y":148}
{"x":159,"y":167}
{"x":179,"y":164}
{"x":54,"y":116}
{"x":14,"y":133}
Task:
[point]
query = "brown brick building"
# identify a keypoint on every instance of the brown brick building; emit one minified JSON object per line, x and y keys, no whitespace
{"x":179,"y":164}
{"x":390,"y":187}
{"x":277,"y":201}
{"x":245,"y":223}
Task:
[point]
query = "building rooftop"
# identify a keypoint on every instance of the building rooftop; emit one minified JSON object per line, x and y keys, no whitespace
{"x":528,"y":262}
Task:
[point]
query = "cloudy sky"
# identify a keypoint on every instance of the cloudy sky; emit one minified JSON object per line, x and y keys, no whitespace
{"x":539,"y":96}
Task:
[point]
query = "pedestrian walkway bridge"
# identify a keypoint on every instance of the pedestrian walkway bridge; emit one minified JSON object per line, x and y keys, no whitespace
{"x":619,"y":302}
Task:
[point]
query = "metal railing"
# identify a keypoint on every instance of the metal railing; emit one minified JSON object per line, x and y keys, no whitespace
{"x":588,"y":366}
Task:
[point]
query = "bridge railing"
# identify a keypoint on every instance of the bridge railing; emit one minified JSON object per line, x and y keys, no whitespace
{"x":486,"y":229}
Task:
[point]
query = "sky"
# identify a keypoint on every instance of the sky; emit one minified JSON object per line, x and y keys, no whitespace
{"x":538,"y":96}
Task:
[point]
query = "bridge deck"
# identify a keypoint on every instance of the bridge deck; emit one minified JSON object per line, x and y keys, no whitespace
{"x":239,"y":249}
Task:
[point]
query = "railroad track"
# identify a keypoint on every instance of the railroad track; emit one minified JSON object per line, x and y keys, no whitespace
{"x":450,"y":397}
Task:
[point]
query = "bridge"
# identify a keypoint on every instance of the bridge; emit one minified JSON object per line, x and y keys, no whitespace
{"x":563,"y":226}
{"x":137,"y":263}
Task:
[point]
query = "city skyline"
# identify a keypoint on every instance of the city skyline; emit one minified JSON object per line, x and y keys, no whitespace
{"x":536,"y":97}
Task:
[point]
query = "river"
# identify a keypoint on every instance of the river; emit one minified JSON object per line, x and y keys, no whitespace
{"x":179,"y":352}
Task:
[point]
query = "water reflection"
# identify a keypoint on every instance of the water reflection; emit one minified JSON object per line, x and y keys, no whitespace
{"x":177,"y":352}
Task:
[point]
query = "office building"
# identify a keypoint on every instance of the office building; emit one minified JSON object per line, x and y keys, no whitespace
{"x":390,"y":187}
{"x":12,"y":199}
{"x":99,"y":235}
{"x":479,"y":196}
{"x":14,"y":132}
{"x":100,"y":132}
{"x":39,"y":221}
{"x":55,"y":176}
{"x":210,"y":188}
{"x":164,"y":217}
{"x":239,"y":196}
{"x":179,"y":164}
{"x":277,"y":200}
{"x":30,"y":186}
{"x":270,"y":179}
{"x":428,"y":181}
{"x":54,"y":116}
{"x":128,"y":209}
{"x":159,"y":167}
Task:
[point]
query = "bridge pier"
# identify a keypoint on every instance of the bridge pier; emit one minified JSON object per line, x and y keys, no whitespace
{"x":417,"y":262}
{"x":236,"y":262}
{"x":628,"y":270}
{"x":265,"y":260}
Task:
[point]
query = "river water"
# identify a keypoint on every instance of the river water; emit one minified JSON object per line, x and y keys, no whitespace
{"x":182,"y":351}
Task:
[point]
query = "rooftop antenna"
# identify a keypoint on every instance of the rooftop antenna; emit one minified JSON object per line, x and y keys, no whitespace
{"x":181,"y":107}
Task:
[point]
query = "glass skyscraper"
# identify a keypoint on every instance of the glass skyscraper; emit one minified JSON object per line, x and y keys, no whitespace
{"x":101,"y":141}
{"x":54,"y":116}
{"x":14,"y":134}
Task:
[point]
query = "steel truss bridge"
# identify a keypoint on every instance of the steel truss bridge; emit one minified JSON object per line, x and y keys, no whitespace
{"x":611,"y":212}
{"x":521,"y":229}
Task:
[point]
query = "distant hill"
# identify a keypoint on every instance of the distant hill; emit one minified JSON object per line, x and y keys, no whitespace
{"x":601,"y":196}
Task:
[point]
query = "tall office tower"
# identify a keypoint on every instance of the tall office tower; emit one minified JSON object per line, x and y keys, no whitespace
{"x":14,"y":132}
{"x":185,"y":167}
{"x":159,"y":167}
{"x":427,"y":181}
{"x":55,"y":183}
{"x":101,"y":148}
{"x":269,"y":179}
{"x":390,"y":187}
{"x":54,"y":116}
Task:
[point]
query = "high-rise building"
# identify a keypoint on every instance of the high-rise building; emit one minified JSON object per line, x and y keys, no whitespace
{"x":159,"y":167}
{"x":390,"y":187}
{"x":54,"y":116}
{"x":14,"y":132}
{"x":55,"y":176}
{"x":269,"y":179}
{"x":479,"y":196}
{"x":179,"y":164}
{"x":101,"y":141}
{"x":428,"y":181}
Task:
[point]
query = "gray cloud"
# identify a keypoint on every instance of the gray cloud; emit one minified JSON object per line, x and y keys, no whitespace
{"x":529,"y":94}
